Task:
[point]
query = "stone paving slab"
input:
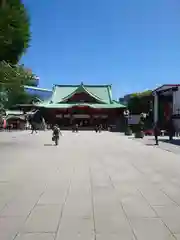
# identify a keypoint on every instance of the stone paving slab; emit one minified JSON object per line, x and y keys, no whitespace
{"x":10,"y":226}
{"x":170,"y":216}
{"x":155,"y":197}
{"x":35,"y":236}
{"x":177,"y":236}
{"x":18,"y":208}
{"x":124,"y":236}
{"x":53,"y":197}
{"x":150,"y":228}
{"x":137,"y":206}
{"x":91,"y":186}
{"x":43,"y":218}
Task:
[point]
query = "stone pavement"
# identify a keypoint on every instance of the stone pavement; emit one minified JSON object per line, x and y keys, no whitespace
{"x":91,"y":187}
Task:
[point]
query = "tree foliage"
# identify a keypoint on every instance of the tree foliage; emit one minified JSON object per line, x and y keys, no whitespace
{"x":140,"y":102}
{"x":14,"y":30}
{"x":27,"y":76}
{"x":12,"y":81}
{"x":14,"y":40}
{"x":147,"y":93}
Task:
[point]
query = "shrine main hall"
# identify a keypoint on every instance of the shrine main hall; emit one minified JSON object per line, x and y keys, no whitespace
{"x":86,"y":105}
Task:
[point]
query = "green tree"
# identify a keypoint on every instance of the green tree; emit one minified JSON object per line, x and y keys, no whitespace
{"x":140,"y":102}
{"x":27,"y":76}
{"x":12,"y":81}
{"x":14,"y":30}
{"x":20,"y":97}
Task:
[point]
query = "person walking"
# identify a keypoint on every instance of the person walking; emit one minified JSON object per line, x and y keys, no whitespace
{"x":55,"y":134}
{"x":76,"y":128}
{"x":100,"y":128}
{"x":33,"y":128}
{"x":156,"y":133}
{"x":177,"y":131}
{"x":26,"y":125}
{"x":171,"y":129}
{"x":96,"y":128}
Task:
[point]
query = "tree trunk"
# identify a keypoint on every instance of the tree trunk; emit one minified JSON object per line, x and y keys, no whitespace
{"x":3,"y":3}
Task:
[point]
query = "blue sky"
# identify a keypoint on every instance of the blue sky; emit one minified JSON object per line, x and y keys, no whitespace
{"x":132,"y":44}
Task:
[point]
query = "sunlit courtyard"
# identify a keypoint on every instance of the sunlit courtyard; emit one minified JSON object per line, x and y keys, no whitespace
{"x":90,"y":187}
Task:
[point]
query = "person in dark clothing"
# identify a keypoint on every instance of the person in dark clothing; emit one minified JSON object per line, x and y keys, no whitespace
{"x":171,"y":129}
{"x":100,"y":128}
{"x":55,"y":134}
{"x":156,"y":133}
{"x":76,"y":127}
{"x":33,"y":128}
{"x":56,"y":131}
{"x":96,"y":128}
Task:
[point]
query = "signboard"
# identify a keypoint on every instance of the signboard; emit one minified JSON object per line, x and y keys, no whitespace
{"x":67,"y":115}
{"x":100,"y":116}
{"x":81,"y":116}
{"x":59,"y":115}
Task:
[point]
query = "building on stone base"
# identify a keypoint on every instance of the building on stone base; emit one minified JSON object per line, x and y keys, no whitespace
{"x":85,"y":105}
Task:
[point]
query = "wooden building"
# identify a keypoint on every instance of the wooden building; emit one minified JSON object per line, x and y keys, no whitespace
{"x":86,"y":105}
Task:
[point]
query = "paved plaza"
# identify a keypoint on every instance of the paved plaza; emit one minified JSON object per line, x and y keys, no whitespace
{"x":91,"y":187}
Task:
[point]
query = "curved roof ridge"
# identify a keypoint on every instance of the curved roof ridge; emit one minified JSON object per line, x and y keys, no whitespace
{"x":84,"y":87}
{"x":92,"y":94}
{"x":53,"y":93}
{"x":69,"y":95}
{"x":110,"y":93}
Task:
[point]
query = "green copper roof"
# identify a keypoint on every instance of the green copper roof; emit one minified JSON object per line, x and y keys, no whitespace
{"x":102,"y":93}
{"x":61,"y":93}
{"x":66,"y":105}
{"x":81,"y":89}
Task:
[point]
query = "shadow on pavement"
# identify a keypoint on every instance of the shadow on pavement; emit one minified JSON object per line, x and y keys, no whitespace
{"x":10,"y":143}
{"x":48,"y":144}
{"x":174,"y":141}
{"x":151,"y":144}
{"x":132,"y":137}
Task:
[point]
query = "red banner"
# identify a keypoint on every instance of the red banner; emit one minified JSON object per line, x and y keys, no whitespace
{"x":167,"y":110}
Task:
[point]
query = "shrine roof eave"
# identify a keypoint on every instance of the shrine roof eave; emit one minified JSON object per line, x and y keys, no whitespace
{"x":165,"y":87}
{"x":95,"y":106}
